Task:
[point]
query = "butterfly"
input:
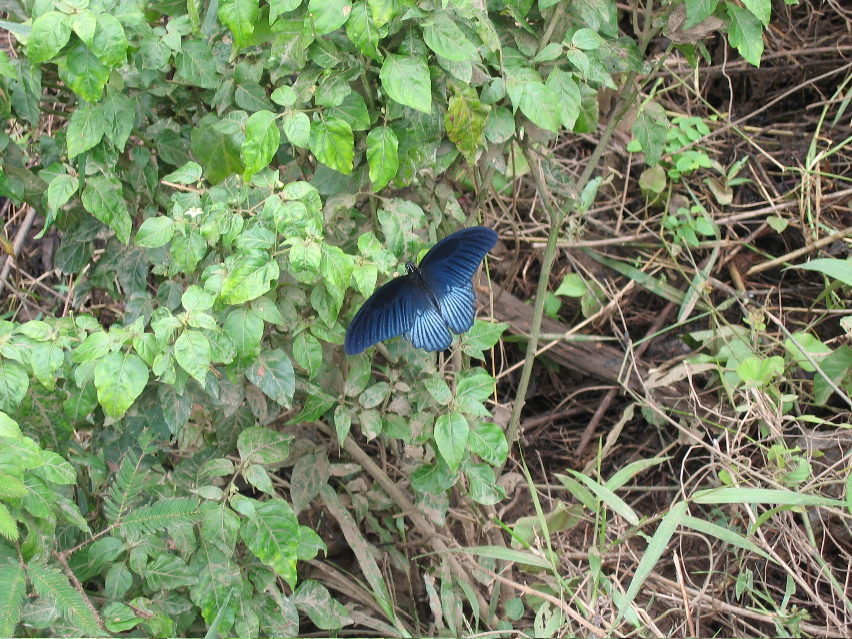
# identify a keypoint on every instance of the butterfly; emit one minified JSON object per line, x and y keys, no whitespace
{"x":429,"y":301}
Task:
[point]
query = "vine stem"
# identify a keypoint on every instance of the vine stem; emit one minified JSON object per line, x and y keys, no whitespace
{"x":557,"y":217}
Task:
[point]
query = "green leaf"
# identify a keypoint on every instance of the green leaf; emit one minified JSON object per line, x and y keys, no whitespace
{"x":167,"y":572}
{"x":195,"y":65}
{"x":84,"y":73}
{"x":325,"y":16}
{"x":14,"y":382}
{"x":260,"y":445}
{"x":273,"y":373}
{"x":586,"y":39}
{"x":475,"y":384}
{"x":49,"y":33}
{"x":484,"y":488}
{"x":324,"y":611}
{"x":189,"y":173}
{"x":13,"y":589}
{"x":567,"y":96}
{"x":109,"y":43}
{"x":252,"y":276}
{"x":119,"y":617}
{"x":313,"y":471}
{"x":297,"y":128}
{"x":745,"y":33}
{"x":541,"y":106}
{"x":307,"y":352}
{"x":465,"y":124}
{"x":382,"y":157}
{"x":262,"y":141}
{"x":120,"y":378}
{"x":333,"y":144}
{"x":273,"y":536}
{"x":406,"y":80}
{"x":840,"y":270}
{"x":103,"y":198}
{"x":192,"y":352}
{"x":216,"y":150}
{"x":489,"y":442}
{"x":362,"y":31}
{"x":761,"y":9}
{"x":451,"y":435}
{"x":155,"y":232}
{"x":240,"y":17}
{"x":651,"y":129}
{"x":46,"y":359}
{"x":445,"y":38}
{"x":60,"y":190}
{"x":245,"y":328}
{"x":86,"y":127}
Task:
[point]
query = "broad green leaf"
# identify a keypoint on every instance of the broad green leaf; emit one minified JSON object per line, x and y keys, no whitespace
{"x":155,"y":232}
{"x":167,"y":571}
{"x":489,"y":442}
{"x":60,"y":190}
{"x":745,"y":33}
{"x":245,"y":327}
{"x":483,"y":486}
{"x":325,"y":16}
{"x":475,"y":384}
{"x":221,"y":528}
{"x":465,"y":124}
{"x":119,"y":617}
{"x":189,"y":173}
{"x":251,"y":277}
{"x":260,"y":445}
{"x":697,"y":11}
{"x":445,"y":38}
{"x":120,"y":378}
{"x":541,"y":106}
{"x":307,"y":351}
{"x":103,"y":198}
{"x":83,"y":23}
{"x":586,"y":39}
{"x":86,"y":127}
{"x":14,"y":382}
{"x":217,"y":151}
{"x":273,"y":536}
{"x":451,"y":435}
{"x":50,"y":32}
{"x":297,"y":128}
{"x":218,"y":579}
{"x":118,"y":113}
{"x":47,"y":358}
{"x":840,"y":270}
{"x":262,"y":141}
{"x":109,"y":43}
{"x":333,"y":144}
{"x":567,"y":95}
{"x":406,"y":80}
{"x":195,"y":65}
{"x":313,"y":471}
{"x":192,"y":352}
{"x":273,"y":373}
{"x":761,"y":9}
{"x":362,"y":31}
{"x":84,"y":73}
{"x":240,"y":17}
{"x":433,"y":478}
{"x":323,"y":610}
{"x":382,"y":145}
{"x":650,"y":129}
{"x":9,"y":427}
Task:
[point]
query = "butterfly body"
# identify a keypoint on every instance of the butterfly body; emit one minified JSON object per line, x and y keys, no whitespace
{"x":429,"y":301}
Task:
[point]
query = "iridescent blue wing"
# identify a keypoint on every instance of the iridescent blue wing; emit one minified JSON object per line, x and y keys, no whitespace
{"x":454,"y":260}
{"x":448,"y":268}
{"x":429,"y":328}
{"x":389,"y":312}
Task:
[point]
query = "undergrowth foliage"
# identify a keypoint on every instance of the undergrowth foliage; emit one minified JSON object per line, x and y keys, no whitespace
{"x":224,"y":185}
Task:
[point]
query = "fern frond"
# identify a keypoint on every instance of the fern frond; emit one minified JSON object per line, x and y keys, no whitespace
{"x":13,"y":589}
{"x":126,"y":487}
{"x":8,"y":527}
{"x":11,"y":487}
{"x":166,"y":512}
{"x":53,"y":585}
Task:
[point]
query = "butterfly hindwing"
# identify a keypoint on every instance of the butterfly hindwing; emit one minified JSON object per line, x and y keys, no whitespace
{"x":429,"y":329}
{"x":387,"y":313}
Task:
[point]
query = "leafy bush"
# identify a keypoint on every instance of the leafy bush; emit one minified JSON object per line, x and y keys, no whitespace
{"x":221,"y":179}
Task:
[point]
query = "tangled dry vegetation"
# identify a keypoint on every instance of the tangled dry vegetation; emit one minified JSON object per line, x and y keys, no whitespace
{"x":620,"y":378}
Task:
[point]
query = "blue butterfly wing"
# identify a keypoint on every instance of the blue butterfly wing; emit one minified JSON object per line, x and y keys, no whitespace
{"x":429,"y":328}
{"x":448,"y":268}
{"x":454,"y":260}
{"x":388,"y":312}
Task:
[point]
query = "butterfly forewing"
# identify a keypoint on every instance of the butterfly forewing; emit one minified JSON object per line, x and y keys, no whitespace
{"x":454,"y":260}
{"x":387,"y":313}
